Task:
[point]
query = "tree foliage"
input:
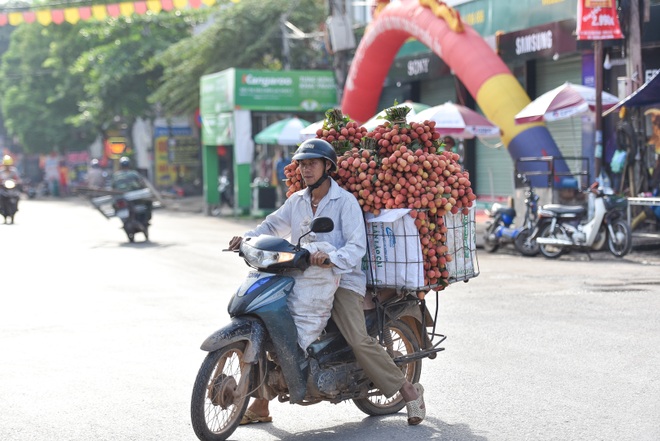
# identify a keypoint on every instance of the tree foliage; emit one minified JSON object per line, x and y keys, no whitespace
{"x":35,"y":96}
{"x":245,"y":35}
{"x":61,"y":85}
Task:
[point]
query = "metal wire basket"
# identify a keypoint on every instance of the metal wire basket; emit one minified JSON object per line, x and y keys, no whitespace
{"x":395,"y":260}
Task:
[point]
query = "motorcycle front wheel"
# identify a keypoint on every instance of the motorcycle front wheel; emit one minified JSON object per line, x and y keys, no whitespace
{"x":399,"y":341}
{"x":524,"y":245}
{"x":620,"y":242}
{"x":221,"y":393}
{"x":551,"y":251}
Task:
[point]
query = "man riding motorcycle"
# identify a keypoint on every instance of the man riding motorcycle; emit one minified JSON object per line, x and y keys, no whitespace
{"x":324,"y":197}
{"x":8,"y":171}
{"x":9,"y":193}
{"x":126,"y":179}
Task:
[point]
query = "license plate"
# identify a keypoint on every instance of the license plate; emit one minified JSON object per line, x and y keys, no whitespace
{"x":122,"y":213}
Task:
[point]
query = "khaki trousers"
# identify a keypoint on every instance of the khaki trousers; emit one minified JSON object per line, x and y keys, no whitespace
{"x":348,"y":314}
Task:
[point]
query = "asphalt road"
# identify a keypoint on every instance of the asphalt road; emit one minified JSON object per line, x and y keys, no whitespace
{"x":99,"y":339}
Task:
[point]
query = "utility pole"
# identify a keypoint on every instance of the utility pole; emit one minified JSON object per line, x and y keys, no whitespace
{"x":598,"y":73}
{"x":286,"y":50}
{"x":634,"y":47}
{"x":341,"y":40}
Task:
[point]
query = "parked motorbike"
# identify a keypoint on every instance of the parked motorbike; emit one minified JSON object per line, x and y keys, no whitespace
{"x":568,"y":227}
{"x":257,"y":353}
{"x":29,"y":188}
{"x":522,"y":242}
{"x":501,"y":229}
{"x":226,"y":190}
{"x":9,"y":196}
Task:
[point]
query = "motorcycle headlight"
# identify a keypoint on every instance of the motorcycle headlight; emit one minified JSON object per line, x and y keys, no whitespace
{"x":9,"y":184}
{"x":261,"y":258}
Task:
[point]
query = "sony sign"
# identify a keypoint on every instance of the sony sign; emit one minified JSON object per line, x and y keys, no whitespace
{"x":418,"y":67}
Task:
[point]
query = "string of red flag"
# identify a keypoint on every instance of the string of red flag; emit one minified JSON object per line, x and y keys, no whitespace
{"x":98,"y":12}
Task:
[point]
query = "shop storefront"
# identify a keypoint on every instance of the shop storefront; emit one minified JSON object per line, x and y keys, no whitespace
{"x":176,"y":159}
{"x":238,"y":103}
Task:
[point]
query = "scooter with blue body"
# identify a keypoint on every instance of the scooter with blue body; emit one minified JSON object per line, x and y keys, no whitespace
{"x":257,"y":355}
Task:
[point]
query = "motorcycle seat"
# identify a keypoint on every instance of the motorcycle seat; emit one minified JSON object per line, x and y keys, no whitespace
{"x":565,"y":209}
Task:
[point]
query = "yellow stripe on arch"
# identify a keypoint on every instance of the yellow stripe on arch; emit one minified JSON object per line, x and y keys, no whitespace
{"x":500,"y":97}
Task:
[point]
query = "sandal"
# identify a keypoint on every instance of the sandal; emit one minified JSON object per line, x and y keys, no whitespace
{"x":416,"y":408}
{"x":250,"y":417}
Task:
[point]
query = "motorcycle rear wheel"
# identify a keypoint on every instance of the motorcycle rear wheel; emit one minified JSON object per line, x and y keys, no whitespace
{"x":402,"y":342}
{"x":621,"y":243}
{"x":524,"y":245}
{"x":550,"y":251}
{"x":221,"y":393}
{"x":490,"y":246}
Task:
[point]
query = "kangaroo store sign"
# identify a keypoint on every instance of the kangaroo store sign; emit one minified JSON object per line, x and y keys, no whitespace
{"x":276,"y":91}
{"x":281,"y":91}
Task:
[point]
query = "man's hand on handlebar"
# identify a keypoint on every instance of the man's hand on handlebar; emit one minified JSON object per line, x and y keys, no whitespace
{"x":235,"y":243}
{"x":321,"y":259}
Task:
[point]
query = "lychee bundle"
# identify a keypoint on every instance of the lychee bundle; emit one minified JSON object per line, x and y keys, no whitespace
{"x":399,"y":165}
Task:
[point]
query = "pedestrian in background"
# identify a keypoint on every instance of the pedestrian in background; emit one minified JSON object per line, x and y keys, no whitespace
{"x":52,"y":173}
{"x":282,"y":188}
{"x":95,"y":175}
{"x":63,"y":172}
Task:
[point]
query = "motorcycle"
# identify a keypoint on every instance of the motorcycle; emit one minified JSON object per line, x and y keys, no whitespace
{"x":257,"y":354}
{"x":135,"y":216}
{"x":9,"y":196}
{"x":225,"y":190}
{"x":522,"y":241}
{"x":501,"y":229}
{"x":133,"y":208}
{"x":568,"y":227}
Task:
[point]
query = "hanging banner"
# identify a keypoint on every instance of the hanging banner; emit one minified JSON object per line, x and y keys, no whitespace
{"x":99,"y":12}
{"x":597,"y":20}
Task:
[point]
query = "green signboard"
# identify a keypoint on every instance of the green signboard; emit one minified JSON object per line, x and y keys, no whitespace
{"x":488,"y":17}
{"x":285,"y":91}
{"x":259,"y":90}
{"x":215,"y":107}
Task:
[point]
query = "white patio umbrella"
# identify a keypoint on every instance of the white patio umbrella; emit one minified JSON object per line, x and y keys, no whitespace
{"x":379,"y":118}
{"x":458,"y":121}
{"x":284,"y":132}
{"x":563,"y":102}
{"x":309,"y":132}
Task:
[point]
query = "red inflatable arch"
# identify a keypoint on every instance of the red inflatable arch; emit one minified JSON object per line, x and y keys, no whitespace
{"x":481,"y":70}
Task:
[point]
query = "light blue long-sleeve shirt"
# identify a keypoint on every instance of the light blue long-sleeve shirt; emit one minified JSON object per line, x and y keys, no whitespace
{"x":348,"y":236}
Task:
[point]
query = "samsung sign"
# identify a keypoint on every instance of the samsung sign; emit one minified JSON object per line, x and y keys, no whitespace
{"x":538,"y":42}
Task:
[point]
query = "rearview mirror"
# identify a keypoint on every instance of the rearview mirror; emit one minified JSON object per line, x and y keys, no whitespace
{"x":322,"y":225}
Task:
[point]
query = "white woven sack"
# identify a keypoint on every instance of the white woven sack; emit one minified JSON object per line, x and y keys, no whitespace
{"x":313,"y":293}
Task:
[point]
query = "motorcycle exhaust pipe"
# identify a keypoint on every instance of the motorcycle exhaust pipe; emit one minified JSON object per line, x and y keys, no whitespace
{"x":551,"y":241}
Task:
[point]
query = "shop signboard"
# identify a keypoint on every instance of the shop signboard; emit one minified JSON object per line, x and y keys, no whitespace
{"x":260,"y":90}
{"x":285,"y":91}
{"x":416,"y":67}
{"x":598,"y":20}
{"x":538,"y":42}
{"x":488,"y":17}
{"x":216,"y":106}
{"x":174,"y":145}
